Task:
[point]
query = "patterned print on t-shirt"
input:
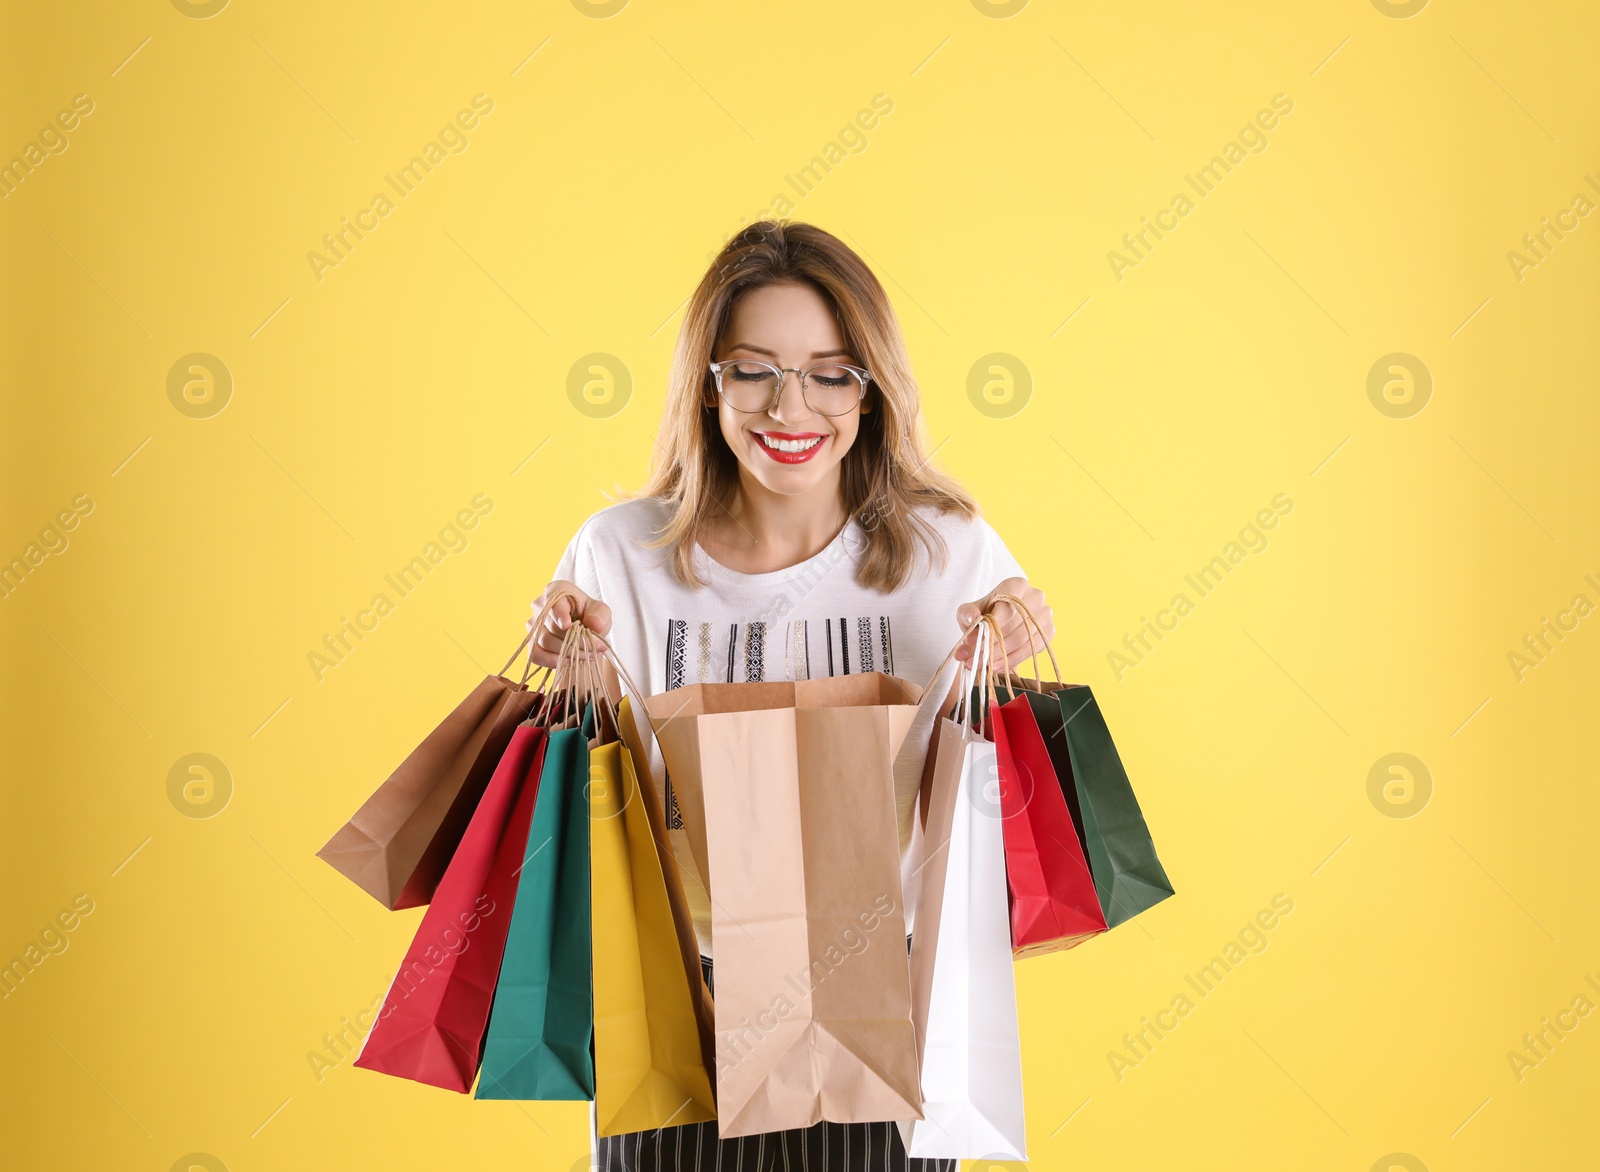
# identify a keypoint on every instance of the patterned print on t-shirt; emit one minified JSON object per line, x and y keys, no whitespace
{"x":758,"y":650}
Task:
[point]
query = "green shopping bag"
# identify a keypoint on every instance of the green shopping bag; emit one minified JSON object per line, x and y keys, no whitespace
{"x":541,"y":1029}
{"x":1128,"y":877}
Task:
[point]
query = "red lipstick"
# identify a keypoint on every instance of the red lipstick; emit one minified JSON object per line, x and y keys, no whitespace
{"x":803,"y":445}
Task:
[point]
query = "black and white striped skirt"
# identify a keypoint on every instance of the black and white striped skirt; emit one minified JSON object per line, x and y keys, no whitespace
{"x":823,"y":1147}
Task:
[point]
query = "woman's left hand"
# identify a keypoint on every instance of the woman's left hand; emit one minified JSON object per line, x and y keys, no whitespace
{"x":1014,"y":627}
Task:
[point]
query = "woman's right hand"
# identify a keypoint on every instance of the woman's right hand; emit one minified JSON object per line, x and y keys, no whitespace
{"x":593,"y":613}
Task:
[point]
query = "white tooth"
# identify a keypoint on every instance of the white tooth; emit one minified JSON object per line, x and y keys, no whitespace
{"x":791,"y":445}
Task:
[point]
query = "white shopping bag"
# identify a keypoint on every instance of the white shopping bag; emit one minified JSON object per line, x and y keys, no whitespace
{"x":963,"y":988}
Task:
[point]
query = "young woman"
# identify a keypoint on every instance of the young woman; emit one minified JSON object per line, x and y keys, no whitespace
{"x":794,"y":526}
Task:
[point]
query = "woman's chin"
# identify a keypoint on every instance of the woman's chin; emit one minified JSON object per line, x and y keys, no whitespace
{"x":787,"y":479}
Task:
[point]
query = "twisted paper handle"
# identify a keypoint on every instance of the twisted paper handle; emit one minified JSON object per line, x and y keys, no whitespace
{"x":528,"y":638}
{"x":1030,"y":625}
{"x":980,"y":669}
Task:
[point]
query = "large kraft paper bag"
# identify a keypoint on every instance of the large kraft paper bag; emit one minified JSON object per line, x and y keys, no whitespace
{"x":787,"y":792}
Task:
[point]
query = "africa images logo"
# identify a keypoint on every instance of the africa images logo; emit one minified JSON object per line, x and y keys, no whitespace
{"x":599,"y":385}
{"x":1399,"y":385}
{"x":199,"y":385}
{"x":999,"y":385}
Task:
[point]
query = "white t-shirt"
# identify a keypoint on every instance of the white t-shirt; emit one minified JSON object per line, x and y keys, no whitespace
{"x":809,"y":620}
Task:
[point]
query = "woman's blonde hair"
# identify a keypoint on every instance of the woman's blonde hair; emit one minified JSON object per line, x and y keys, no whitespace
{"x":888,"y":473}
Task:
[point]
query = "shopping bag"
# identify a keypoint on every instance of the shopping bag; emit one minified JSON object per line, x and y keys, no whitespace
{"x":683,"y":924}
{"x":963,"y":990}
{"x":786,"y":790}
{"x":432,"y":1023}
{"x":1128,"y":877}
{"x":650,"y":1070}
{"x":1054,"y":902}
{"x":397,"y":845}
{"x":542,"y":1024}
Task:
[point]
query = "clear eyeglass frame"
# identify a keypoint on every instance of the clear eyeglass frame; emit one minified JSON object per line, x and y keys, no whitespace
{"x":863,"y":377}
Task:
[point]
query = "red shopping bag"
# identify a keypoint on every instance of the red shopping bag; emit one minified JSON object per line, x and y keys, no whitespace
{"x":1054,"y":904}
{"x":432,"y":1024}
{"x":1053,"y":899}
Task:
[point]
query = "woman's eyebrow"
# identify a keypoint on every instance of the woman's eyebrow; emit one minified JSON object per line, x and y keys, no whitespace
{"x":774,"y":353}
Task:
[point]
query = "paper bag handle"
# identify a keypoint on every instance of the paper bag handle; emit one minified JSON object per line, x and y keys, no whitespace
{"x":531,"y":634}
{"x":978,"y":669}
{"x":1030,"y":624}
{"x":639,"y":712}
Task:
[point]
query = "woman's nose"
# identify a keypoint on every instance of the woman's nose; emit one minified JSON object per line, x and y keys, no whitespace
{"x":791,"y":405}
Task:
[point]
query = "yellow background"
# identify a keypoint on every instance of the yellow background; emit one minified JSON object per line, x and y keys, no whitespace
{"x":1229,"y":366}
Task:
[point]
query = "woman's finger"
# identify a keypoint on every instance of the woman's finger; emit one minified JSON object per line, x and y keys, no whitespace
{"x":547,"y":651}
{"x":547,"y":647}
{"x":1034,"y":600}
{"x":596,"y":615}
{"x":967,"y":615}
{"x":1015,"y":642}
{"x":969,"y":645}
{"x":540,"y":603}
{"x":560,"y":613}
{"x":1005,"y":614}
{"x":564,"y":602}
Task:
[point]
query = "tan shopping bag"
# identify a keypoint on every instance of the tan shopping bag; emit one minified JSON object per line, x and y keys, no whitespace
{"x":787,"y":794}
{"x":397,"y":845}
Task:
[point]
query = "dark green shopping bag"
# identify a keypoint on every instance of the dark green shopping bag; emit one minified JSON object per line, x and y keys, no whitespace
{"x":541,"y":1029}
{"x":1128,"y":877}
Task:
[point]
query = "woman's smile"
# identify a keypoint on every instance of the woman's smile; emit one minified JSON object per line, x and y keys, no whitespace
{"x":790,"y":447}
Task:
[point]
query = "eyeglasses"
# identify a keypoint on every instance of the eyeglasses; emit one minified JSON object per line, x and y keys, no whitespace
{"x":829,"y":389}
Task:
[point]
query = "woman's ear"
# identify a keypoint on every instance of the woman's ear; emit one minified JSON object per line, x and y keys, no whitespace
{"x":866,"y":401}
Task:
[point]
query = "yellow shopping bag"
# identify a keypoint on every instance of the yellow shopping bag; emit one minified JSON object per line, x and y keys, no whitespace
{"x":650,"y":1066}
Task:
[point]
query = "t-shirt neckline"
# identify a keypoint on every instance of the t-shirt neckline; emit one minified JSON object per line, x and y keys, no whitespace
{"x":848,"y":539}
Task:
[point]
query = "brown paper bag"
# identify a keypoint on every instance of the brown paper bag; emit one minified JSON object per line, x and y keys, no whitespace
{"x":397,"y":845}
{"x":787,"y":794}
